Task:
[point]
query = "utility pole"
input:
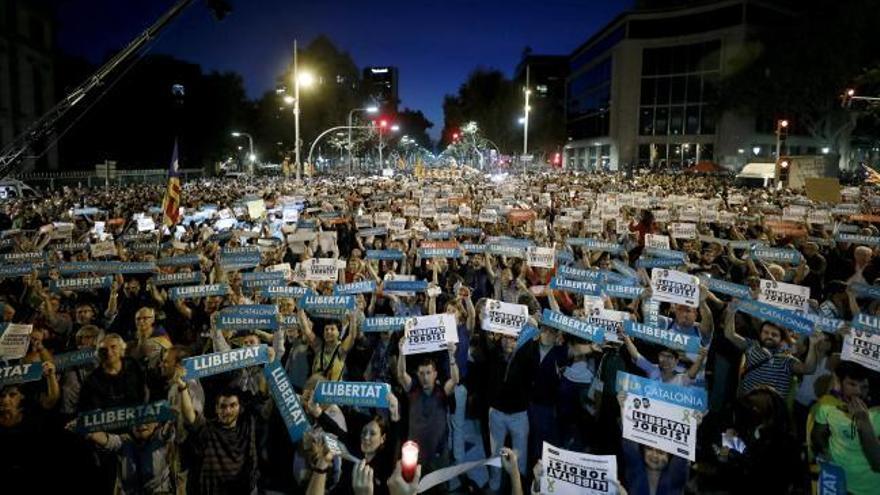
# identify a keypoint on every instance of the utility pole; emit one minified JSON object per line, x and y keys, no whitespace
{"x":528,"y":93}
{"x":297,"y":163}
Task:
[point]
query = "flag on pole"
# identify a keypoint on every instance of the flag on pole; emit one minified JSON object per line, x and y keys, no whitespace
{"x":171,"y":203}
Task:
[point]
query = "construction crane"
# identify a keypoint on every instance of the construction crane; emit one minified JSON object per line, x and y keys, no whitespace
{"x":30,"y":143}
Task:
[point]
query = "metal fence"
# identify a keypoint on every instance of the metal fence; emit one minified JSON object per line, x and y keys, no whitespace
{"x":52,"y":180}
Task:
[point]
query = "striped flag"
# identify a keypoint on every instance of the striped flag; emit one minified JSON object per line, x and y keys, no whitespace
{"x":171,"y":203}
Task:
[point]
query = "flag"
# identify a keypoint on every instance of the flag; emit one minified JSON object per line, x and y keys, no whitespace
{"x":171,"y":203}
{"x":873,"y":176}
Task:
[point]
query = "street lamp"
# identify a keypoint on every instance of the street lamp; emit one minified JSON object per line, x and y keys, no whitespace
{"x":370,"y":109}
{"x":304,"y":79}
{"x":383,"y":124}
{"x":526,"y":109}
{"x":251,"y":155}
{"x":781,"y":133}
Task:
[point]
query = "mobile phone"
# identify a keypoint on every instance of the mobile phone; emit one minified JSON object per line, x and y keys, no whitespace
{"x":733,"y":442}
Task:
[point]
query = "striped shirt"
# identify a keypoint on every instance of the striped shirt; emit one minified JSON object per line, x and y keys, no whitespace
{"x":764,"y":367}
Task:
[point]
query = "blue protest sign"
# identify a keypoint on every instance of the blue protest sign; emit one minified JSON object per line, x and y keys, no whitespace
{"x":666,"y":338}
{"x":12,"y":271}
{"x":306,"y":225}
{"x":468,"y":232}
{"x":328,"y":305}
{"x":832,"y":479}
{"x":80,"y":284}
{"x":527,"y":333}
{"x":510,"y":241}
{"x":88,"y":211}
{"x":196,"y":291}
{"x":362,"y":394}
{"x":289,"y":321}
{"x":72,"y":246}
{"x":727,"y":288}
{"x":644,"y":262}
{"x":776,"y":254}
{"x":248,"y":317}
{"x":622,"y":291}
{"x":362,"y":287}
{"x":564,"y":256}
{"x":742,"y":244}
{"x":286,"y":400}
{"x":781,"y":317}
{"x":665,"y":253}
{"x":374,"y":231}
{"x":866,"y":323}
{"x":221,"y":362}
{"x":439,"y":236}
{"x":385,"y":254}
{"x":426,"y":253}
{"x":624,"y":269}
{"x":575,"y":286}
{"x":824,"y":323}
{"x":179,"y":260}
{"x":579,"y":274}
{"x":240,"y":260}
{"x":20,"y":373}
{"x":277,"y":291}
{"x":498,"y":249}
{"x":865,"y":290}
{"x":573,"y":326}
{"x":469,"y":248}
{"x":23,"y":257}
{"x":689,"y":397}
{"x":595,"y":244}
{"x":181,"y":278}
{"x":405,"y":286}
{"x":867,"y":240}
{"x":141,"y":247}
{"x":384,"y":324}
{"x":132,"y":267}
{"x":120,"y":418}
{"x":262,"y":279}
{"x":76,"y":268}
{"x":75,"y":359}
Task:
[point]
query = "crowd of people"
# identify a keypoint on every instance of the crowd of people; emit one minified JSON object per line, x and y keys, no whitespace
{"x":119,"y":371}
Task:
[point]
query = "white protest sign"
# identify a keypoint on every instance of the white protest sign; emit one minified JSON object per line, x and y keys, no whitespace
{"x":289,"y":214}
{"x":429,"y":334}
{"x":786,"y":296}
{"x":15,"y":340}
{"x":488,"y":216}
{"x":282,"y":267}
{"x":862,"y":348}
{"x":576,"y":473}
{"x":302,"y":237}
{"x":106,"y":248}
{"x":661,"y":216}
{"x":397,"y":224}
{"x":321,"y":269}
{"x":675,"y":287}
{"x":327,"y":241}
{"x":504,"y":318}
{"x":382,"y":218}
{"x":541,"y":257}
{"x":657,"y":241}
{"x":146,"y":224}
{"x":682,"y":230}
{"x":256,"y":209}
{"x":464,"y":211}
{"x":610,"y":320}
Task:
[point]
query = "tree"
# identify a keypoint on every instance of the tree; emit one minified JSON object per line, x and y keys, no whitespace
{"x":491,"y":100}
{"x":797,"y":71}
{"x":414,"y":124}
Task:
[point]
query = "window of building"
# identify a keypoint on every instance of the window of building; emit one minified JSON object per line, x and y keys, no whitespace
{"x":676,"y":120}
{"x":646,"y":121}
{"x":38,"y":90}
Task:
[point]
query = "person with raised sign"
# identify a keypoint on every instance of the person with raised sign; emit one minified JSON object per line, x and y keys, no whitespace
{"x":117,"y":381}
{"x":666,"y":368}
{"x":330,"y":352}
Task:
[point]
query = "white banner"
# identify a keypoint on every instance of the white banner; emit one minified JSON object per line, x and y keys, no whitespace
{"x":675,"y":287}
{"x":289,"y":214}
{"x":504,"y":318}
{"x":106,"y":248}
{"x":863,"y":348}
{"x":576,"y":473}
{"x":429,"y":333}
{"x":541,"y":257}
{"x":657,"y":241}
{"x":321,"y":269}
{"x":785,"y":296}
{"x":256,"y":209}
{"x":610,"y":320}
{"x":15,"y":340}
{"x":146,"y":224}
{"x":684,"y":230}
{"x":661,"y":425}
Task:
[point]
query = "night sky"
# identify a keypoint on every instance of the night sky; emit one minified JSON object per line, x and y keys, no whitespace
{"x":435,"y":44}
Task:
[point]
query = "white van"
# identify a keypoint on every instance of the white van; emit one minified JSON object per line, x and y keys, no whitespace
{"x":11,"y":189}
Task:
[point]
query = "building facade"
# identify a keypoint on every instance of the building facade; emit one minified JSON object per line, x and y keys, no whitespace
{"x":27,"y":71}
{"x":380,"y":85}
{"x":547,"y":79}
{"x":643,"y":91}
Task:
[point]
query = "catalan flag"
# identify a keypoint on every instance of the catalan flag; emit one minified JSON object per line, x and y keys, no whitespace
{"x":171,"y":203}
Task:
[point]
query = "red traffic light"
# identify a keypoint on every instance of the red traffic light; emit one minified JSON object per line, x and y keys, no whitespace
{"x":454,"y":136}
{"x":557,"y":159}
{"x":383,"y":123}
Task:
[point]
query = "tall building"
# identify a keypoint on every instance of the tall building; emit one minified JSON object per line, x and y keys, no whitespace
{"x":380,"y":85}
{"x":27,"y":72}
{"x":644,"y":90}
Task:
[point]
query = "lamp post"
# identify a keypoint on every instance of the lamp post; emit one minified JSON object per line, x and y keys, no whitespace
{"x":371,"y":109}
{"x":304,"y":79}
{"x":526,"y":108}
{"x":252,"y":157}
{"x":781,"y":128}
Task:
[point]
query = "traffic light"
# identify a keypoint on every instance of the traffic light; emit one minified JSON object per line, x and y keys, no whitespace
{"x":455,"y":136}
{"x":783,"y":166}
{"x":557,"y":158}
{"x":782,"y":129}
{"x":383,"y":123}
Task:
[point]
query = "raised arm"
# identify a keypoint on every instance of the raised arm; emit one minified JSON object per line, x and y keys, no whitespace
{"x":707,"y":322}
{"x":449,"y":386}
{"x":402,"y":376}
{"x":217,"y":338}
{"x":694,"y":370}
{"x":730,"y":329}
{"x":305,"y":324}
{"x":350,"y":336}
{"x":808,"y":366}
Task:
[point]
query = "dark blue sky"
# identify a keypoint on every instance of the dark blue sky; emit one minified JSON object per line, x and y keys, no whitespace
{"x":435,"y":44}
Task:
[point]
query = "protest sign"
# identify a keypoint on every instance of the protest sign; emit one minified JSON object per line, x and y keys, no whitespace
{"x":360,"y":394}
{"x":571,"y":273}
{"x":822,"y":189}
{"x":329,"y":306}
{"x":74,"y":359}
{"x":779,"y":255}
{"x":321,"y":269}
{"x":181,"y":278}
{"x":428,"y":253}
{"x":661,"y":415}
{"x":644,"y":262}
{"x":595,"y":244}
{"x":248,"y":317}
{"x":123,"y":418}
{"x":386,"y":254}
{"x":665,"y":253}
{"x":286,"y":400}
{"x":384,"y":324}
{"x":683,"y":230}
{"x":866,"y":240}
{"x":675,"y":287}
{"x":667,"y":338}
{"x":609,"y":320}
{"x":504,"y":318}
{"x":399,"y":286}
{"x":197,"y":291}
{"x":102,"y":249}
{"x":179,"y":260}
{"x":725,"y":287}
{"x":576,"y":473}
{"x":429,"y":333}
{"x":832,"y":478}
{"x":20,"y":373}
{"x":780,"y":317}
{"x":254,"y":280}
{"x":221,"y":362}
{"x":786,"y":296}
{"x":865,"y":290}
{"x":15,"y":341}
{"x":573,"y":326}
{"x":657,"y":241}
{"x":863,"y":348}
{"x":80,"y":284}
{"x":540,"y":257}
{"x":622,"y":291}
{"x":277,"y":291}
{"x":362,"y":287}
{"x":575,"y":286}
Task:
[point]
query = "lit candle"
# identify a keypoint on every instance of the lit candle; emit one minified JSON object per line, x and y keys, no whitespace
{"x":409,"y":459}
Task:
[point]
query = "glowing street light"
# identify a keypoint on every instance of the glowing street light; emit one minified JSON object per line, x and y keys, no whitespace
{"x":369,"y":109}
